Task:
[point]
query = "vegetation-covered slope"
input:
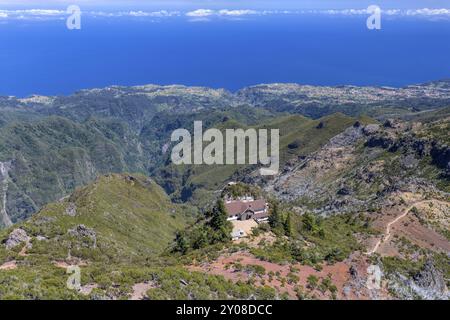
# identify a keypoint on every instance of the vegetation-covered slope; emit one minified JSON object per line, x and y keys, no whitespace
{"x":115,"y":230}
{"x":47,"y":159}
{"x":50,"y":145}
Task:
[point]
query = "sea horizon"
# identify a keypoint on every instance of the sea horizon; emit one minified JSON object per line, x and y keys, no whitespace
{"x":230,"y":52}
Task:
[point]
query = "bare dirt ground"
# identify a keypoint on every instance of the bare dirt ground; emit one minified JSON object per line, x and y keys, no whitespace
{"x":10,"y":265}
{"x":245,"y":226}
{"x":65,"y":265}
{"x":400,"y":222}
{"x":140,"y":290}
{"x":348,"y":286}
{"x":268,"y":238}
{"x":350,"y":276}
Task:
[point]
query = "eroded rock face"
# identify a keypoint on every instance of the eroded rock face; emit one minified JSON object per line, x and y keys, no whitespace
{"x":380,"y":141}
{"x":430,"y":283}
{"x":71,"y":210}
{"x":353,"y":272}
{"x":5,"y":167}
{"x":16,"y":237}
{"x":344,"y":191}
{"x":393,"y":141}
{"x":371,"y":129}
{"x":441,"y":157}
{"x":82,"y":232}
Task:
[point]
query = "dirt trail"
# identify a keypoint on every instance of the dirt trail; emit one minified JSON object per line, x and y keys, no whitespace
{"x":387,"y":233}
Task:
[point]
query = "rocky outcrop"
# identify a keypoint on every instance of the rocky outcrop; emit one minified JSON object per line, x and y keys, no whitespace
{"x":5,"y":167}
{"x":380,"y":141}
{"x":430,"y":283}
{"x":81,"y":232}
{"x":15,"y":238}
{"x":441,"y":157}
{"x":371,"y":129}
{"x":344,"y":191}
{"x":394,"y":139}
{"x":427,"y":284}
{"x":71,"y":210}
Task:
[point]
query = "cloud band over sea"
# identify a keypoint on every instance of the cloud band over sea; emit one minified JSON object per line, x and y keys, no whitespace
{"x":47,"y":14}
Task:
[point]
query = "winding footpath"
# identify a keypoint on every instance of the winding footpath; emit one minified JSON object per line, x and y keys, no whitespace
{"x":387,"y":233}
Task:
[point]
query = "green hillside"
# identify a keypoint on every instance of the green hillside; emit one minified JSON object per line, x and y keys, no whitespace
{"x":52,"y":156}
{"x":115,"y":230}
{"x":299,"y":136}
{"x":117,"y":220}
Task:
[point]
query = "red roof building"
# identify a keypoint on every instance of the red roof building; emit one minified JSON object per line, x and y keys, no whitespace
{"x":245,"y":209}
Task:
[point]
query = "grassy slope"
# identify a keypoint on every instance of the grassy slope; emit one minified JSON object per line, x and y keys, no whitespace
{"x":134,"y":222}
{"x":132,"y":217}
{"x":54,"y":155}
{"x":293,"y":128}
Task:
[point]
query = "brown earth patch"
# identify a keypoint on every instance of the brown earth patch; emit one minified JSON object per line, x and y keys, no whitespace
{"x":339,"y":273}
{"x":400,"y":221}
{"x":140,"y":290}
{"x":10,"y":265}
{"x":65,"y":265}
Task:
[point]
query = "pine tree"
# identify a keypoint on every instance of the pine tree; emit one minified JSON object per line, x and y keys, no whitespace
{"x":221,"y":226}
{"x":181,"y":243}
{"x":275,"y":218}
{"x":219,"y":216}
{"x":287,"y":225}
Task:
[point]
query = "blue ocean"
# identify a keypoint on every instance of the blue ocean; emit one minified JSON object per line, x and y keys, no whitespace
{"x":44,"y":57}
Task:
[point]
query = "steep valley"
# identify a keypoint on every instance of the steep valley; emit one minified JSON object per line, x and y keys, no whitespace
{"x":86,"y":182}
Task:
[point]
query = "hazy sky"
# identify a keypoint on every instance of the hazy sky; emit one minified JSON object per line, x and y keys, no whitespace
{"x":263,"y":4}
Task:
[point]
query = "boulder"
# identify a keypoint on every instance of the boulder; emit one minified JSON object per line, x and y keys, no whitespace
{"x":81,"y":231}
{"x":430,"y":283}
{"x":371,"y":129}
{"x":71,"y":210}
{"x":15,"y":238}
{"x":344,"y":191}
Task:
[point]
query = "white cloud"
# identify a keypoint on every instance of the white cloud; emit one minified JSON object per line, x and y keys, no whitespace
{"x":45,"y":14}
{"x":425,"y":12}
{"x":206,"y":14}
{"x":223,"y":13}
{"x":155,"y":14}
{"x":201,"y":13}
{"x":344,"y":12}
{"x":428,"y":12}
{"x":160,"y":14}
{"x":235,"y":13}
{"x":38,"y":12}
